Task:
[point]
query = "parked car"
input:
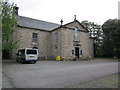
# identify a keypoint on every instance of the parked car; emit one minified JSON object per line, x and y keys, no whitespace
{"x":27,"y":55}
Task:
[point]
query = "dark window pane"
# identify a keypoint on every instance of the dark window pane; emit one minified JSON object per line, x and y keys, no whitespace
{"x":34,"y":38}
{"x":31,"y":52}
{"x":35,"y":35}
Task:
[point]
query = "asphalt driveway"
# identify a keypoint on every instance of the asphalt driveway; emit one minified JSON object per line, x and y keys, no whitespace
{"x":54,"y":74}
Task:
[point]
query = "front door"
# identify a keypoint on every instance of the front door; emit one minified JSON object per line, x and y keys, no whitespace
{"x":77,"y":51}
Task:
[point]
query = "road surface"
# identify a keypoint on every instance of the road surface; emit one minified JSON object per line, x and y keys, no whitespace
{"x":54,"y":74}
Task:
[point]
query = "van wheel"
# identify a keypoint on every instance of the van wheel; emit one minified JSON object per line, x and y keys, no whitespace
{"x":17,"y":60}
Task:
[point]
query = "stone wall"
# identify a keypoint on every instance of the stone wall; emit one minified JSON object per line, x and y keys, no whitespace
{"x":24,"y":36}
{"x":56,"y":43}
{"x":86,"y":44}
{"x":67,"y":43}
{"x":59,"y":42}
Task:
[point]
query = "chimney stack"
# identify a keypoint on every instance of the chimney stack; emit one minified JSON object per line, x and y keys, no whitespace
{"x":74,"y":17}
{"x":16,"y":9}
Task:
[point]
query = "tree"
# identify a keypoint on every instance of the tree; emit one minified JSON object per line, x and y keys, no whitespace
{"x":9,"y":23}
{"x":95,"y":32}
{"x":111,"y":38}
{"x":118,"y":40}
{"x":0,"y":31}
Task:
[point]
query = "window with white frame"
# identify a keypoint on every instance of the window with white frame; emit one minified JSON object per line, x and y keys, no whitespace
{"x":76,"y":34}
{"x":35,"y":38}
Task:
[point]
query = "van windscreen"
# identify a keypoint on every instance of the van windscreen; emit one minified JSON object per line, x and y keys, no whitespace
{"x":31,"y":52}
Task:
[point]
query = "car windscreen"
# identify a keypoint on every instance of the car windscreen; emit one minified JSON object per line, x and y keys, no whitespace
{"x":31,"y":52}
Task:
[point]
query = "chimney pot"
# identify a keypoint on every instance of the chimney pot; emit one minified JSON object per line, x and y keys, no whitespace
{"x":74,"y":17}
{"x":61,"y":21}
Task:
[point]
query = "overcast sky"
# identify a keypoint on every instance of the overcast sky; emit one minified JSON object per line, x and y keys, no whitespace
{"x":97,"y":11}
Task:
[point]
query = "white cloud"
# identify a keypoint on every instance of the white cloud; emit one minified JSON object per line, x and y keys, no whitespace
{"x":53,"y":10}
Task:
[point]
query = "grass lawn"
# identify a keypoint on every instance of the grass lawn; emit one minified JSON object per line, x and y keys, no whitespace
{"x":110,"y":59}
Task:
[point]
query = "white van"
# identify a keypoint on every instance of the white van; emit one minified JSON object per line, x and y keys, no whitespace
{"x":27,"y":55}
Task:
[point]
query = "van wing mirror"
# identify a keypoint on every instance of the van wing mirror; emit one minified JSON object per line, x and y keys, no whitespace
{"x":18,"y":53}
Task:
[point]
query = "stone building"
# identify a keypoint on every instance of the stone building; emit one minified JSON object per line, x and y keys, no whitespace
{"x":69,"y":40}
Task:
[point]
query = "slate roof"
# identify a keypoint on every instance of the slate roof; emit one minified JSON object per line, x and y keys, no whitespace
{"x":36,"y":24}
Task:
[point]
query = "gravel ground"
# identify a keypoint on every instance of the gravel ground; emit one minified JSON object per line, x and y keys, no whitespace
{"x":110,"y":81}
{"x":7,"y":81}
{"x":59,"y":74}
